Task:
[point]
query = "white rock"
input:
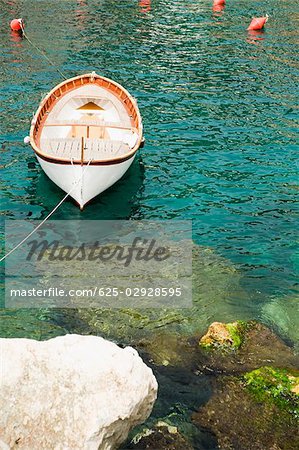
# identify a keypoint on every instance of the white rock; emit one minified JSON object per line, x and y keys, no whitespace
{"x":71,"y":392}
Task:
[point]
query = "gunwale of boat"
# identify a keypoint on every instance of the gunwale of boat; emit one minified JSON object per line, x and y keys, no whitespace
{"x":65,"y":87}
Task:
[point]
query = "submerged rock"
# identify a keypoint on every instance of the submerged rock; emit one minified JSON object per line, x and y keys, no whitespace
{"x":28,"y":323}
{"x":283,"y":315}
{"x":72,"y":392}
{"x":251,"y":345}
{"x":160,"y":436}
{"x":216,"y":287}
{"x":171,"y":432}
{"x":255,"y":412}
{"x":168,"y":349}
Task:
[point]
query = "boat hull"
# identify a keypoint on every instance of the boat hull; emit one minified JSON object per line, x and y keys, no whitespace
{"x":85,"y":182}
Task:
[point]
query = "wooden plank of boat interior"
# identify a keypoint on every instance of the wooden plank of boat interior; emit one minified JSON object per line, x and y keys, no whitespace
{"x":104,"y":148}
{"x":92,"y":96}
{"x":68,"y":147}
{"x":84,"y":149}
{"x":63,"y":123}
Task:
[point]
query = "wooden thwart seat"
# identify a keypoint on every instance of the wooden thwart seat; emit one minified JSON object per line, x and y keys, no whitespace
{"x":103,"y":148}
{"x":89,"y":123}
{"x":71,"y":148}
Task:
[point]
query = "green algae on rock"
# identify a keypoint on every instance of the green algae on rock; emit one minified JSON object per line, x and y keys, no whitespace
{"x":260,"y":346}
{"x":242,"y":421}
{"x":224,"y":335}
{"x":279,"y":386}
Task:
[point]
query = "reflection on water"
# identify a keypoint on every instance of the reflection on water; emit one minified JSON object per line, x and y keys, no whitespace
{"x":254,"y":36}
{"x":16,"y":37}
{"x":145,"y":6}
{"x":82,"y":14}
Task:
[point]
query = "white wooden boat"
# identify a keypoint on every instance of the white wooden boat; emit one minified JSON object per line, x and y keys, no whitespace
{"x":85,"y":135}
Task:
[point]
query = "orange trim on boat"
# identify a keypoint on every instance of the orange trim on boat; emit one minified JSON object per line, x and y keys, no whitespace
{"x":65,"y":87}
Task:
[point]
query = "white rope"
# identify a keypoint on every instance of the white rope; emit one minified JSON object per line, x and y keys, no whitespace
{"x":40,"y":51}
{"x":46,"y":218}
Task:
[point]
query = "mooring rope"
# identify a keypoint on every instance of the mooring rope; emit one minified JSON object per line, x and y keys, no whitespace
{"x":41,"y":52}
{"x":46,"y":218}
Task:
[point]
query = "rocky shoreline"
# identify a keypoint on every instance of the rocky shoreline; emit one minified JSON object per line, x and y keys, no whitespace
{"x":236,"y":387}
{"x":253,"y":402}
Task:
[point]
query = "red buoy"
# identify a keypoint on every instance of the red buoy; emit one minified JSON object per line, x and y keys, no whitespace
{"x":258,"y":23}
{"x":17,"y":24}
{"x":218,"y":5}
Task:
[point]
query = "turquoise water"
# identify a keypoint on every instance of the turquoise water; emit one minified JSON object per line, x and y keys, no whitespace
{"x":219,"y":108}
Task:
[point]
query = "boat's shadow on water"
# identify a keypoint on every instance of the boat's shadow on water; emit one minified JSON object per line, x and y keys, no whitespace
{"x":120,"y":201}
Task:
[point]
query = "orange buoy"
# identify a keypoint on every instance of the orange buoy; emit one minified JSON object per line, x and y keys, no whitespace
{"x":17,"y":24}
{"x":258,"y":23}
{"x":218,"y":5}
